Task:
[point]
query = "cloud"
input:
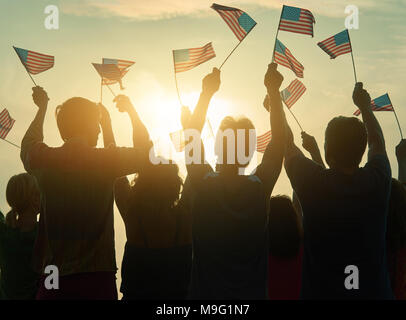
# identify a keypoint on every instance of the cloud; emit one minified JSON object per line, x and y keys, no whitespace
{"x":165,"y":9}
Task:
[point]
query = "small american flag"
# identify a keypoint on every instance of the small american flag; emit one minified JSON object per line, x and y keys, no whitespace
{"x":108,"y":71}
{"x":239,"y":22}
{"x":186,"y":59}
{"x":284,"y":57}
{"x":336,"y":45}
{"x":381,"y":103}
{"x":178,"y":140}
{"x":292,"y":93}
{"x":263,"y":140}
{"x":6,"y":123}
{"x":123,"y":65}
{"x":35,"y":62}
{"x":297,"y":20}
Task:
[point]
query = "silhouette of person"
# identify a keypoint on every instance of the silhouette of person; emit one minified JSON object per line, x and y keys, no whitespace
{"x":158,"y":253}
{"x":76,"y":183}
{"x":344,"y":208}
{"x":230,"y":210}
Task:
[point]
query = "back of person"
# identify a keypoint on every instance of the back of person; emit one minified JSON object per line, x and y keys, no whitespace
{"x":17,"y":236}
{"x":285,"y":250}
{"x":230,"y":239}
{"x":158,"y":253}
{"x":342,"y":228}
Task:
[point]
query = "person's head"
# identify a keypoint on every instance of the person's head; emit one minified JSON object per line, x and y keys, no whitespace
{"x":23,"y":197}
{"x":233,"y":137}
{"x":396,"y":223}
{"x":345,"y":143}
{"x":285,"y":228}
{"x":79,"y":118}
{"x":158,"y":184}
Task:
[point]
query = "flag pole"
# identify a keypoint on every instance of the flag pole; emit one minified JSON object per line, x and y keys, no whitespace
{"x":397,"y":120}
{"x":236,"y":47}
{"x":25,"y":67}
{"x":294,"y":117}
{"x":13,"y":144}
{"x":352,"y":57}
{"x":111,"y":90}
{"x":277,"y":33}
{"x":176,"y":79}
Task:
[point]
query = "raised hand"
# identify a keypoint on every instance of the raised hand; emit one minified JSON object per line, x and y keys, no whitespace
{"x":123,"y":103}
{"x":309,"y":143}
{"x":40,"y":97}
{"x":361,"y":97}
{"x":185,"y":117}
{"x":273,"y":78}
{"x":211,"y":82}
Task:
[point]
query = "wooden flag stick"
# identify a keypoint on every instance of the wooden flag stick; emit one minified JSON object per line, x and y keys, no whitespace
{"x":111,"y":90}
{"x":297,"y":121}
{"x":352,"y":57}
{"x":397,"y":120}
{"x":25,"y":67}
{"x":13,"y":144}
{"x":176,"y":79}
{"x":235,"y":48}
{"x":276,"y":37}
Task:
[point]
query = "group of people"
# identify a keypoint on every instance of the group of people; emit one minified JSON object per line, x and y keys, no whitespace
{"x":219,"y":234}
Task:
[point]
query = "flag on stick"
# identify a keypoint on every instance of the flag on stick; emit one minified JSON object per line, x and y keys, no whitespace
{"x":186,"y":59}
{"x":34,"y":62}
{"x":239,"y":22}
{"x":383,"y":103}
{"x":110,"y":72}
{"x":263,"y":140}
{"x":296,"y":20}
{"x":284,"y":57}
{"x":6,"y":123}
{"x":292,"y":93}
{"x":336,"y":45}
{"x":122,"y":65}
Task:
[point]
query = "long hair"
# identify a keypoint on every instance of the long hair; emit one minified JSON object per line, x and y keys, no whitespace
{"x":396,"y":224}
{"x":158,"y":186}
{"x":20,"y":191}
{"x":285,"y":228}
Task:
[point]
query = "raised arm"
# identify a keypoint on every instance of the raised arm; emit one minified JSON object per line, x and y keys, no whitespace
{"x":376,"y":141}
{"x":271,"y":164}
{"x":106,"y":127}
{"x":401,"y":157}
{"x":210,"y":85}
{"x":141,"y":137}
{"x":309,"y":143}
{"x":35,"y":132}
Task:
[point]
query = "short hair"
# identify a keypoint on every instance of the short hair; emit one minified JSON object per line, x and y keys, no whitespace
{"x":346,"y":140}
{"x":76,"y":115}
{"x":235,"y":124}
{"x":285,"y":228}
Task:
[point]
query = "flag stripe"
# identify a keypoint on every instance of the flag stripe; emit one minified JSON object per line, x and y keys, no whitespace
{"x":287,"y":59}
{"x":293,"y":92}
{"x":304,"y":24}
{"x":263,"y":140}
{"x":385,"y":105}
{"x":196,"y":56}
{"x":6,"y":123}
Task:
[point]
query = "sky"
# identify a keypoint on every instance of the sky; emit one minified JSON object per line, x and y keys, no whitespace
{"x":147,"y":32}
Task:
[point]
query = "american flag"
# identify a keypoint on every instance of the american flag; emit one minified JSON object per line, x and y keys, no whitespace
{"x":239,"y":22}
{"x":263,"y":140}
{"x":292,"y":93}
{"x":284,"y":57}
{"x":123,"y":65}
{"x":6,"y":123}
{"x":296,"y":20}
{"x":186,"y":59}
{"x":336,"y":45}
{"x":381,"y":103}
{"x":178,"y":140}
{"x":35,"y":62}
{"x":108,"y":71}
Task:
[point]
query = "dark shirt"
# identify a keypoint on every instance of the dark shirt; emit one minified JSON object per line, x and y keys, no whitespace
{"x":18,"y":279}
{"x":344,"y":221}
